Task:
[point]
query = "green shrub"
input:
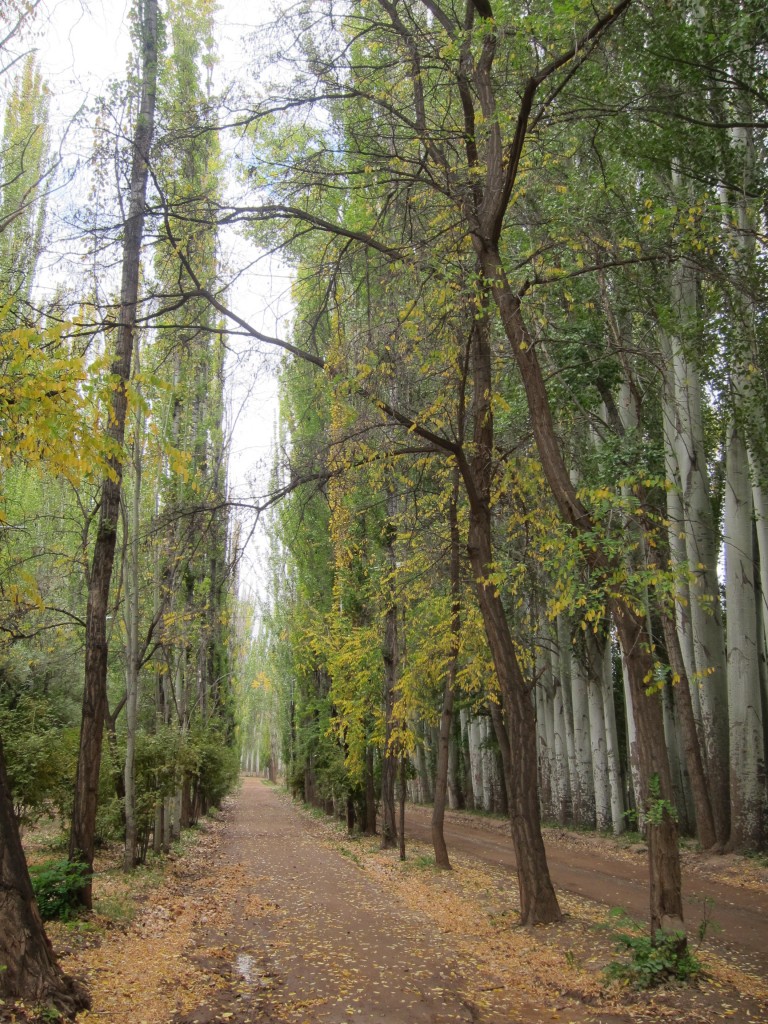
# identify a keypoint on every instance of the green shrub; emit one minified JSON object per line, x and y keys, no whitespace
{"x":56,"y":885}
{"x":217,"y":766}
{"x":650,"y":961}
{"x":40,"y":756}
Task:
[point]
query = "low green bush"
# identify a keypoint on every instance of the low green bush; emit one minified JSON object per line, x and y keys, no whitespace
{"x":650,"y":961}
{"x":56,"y":885}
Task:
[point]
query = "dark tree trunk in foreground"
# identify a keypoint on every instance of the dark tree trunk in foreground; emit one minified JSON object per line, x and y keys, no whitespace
{"x":30,"y":971}
{"x":82,"y":836}
{"x":538,"y":902}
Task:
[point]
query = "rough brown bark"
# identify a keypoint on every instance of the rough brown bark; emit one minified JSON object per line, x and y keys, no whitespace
{"x":538,"y":902}
{"x":30,"y":970}
{"x":82,"y":836}
{"x":666,"y":898}
{"x":449,"y":689}
{"x":390,"y":655}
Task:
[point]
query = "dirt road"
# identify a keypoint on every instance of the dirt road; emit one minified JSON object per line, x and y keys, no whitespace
{"x":593,"y":869}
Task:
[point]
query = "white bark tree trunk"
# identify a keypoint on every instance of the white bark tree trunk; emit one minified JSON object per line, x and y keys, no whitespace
{"x":618,"y":819}
{"x":563,"y":668}
{"x":745,"y":718}
{"x":474,"y":738}
{"x":596,"y":652}
{"x":701,"y":552}
{"x":584,"y":803}
{"x":632,"y":753}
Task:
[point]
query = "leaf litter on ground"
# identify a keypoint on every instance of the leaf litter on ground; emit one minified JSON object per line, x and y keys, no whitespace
{"x":145,"y":964}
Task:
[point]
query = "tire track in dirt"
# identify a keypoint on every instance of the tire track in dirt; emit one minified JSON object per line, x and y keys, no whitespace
{"x":739,"y":914}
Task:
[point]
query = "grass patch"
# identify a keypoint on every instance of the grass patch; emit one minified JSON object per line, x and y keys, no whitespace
{"x":118,"y":909}
{"x":421,"y":862}
{"x":349,"y":854}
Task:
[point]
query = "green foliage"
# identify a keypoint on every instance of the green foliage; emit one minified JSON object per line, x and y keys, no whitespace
{"x":658,"y":807}
{"x":650,"y":961}
{"x":56,"y":885}
{"x":215,"y":764}
{"x":41,"y":757}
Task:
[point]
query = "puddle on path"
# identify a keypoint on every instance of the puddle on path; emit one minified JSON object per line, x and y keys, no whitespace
{"x":244,"y":966}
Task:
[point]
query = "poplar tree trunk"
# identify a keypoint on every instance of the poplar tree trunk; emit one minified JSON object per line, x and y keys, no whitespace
{"x":701,"y":545}
{"x":30,"y":970}
{"x":449,"y":689}
{"x":390,"y":656}
{"x":596,"y":653}
{"x":746,"y":474}
{"x":370,"y":793}
{"x":82,"y":836}
{"x":745,"y":715}
{"x":584,"y":791}
{"x":702,"y":806}
{"x":544,"y":738}
{"x":562,"y":664}
{"x":131,"y":574}
{"x":502,"y":739}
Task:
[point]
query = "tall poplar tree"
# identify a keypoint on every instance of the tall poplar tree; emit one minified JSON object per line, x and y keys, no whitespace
{"x":82,"y":835}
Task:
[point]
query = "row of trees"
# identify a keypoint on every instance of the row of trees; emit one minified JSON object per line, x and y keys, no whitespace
{"x":529,"y":247}
{"x":116,"y":549}
{"x":522,"y":550}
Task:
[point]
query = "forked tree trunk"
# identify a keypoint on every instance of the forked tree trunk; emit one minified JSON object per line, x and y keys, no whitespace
{"x":29,"y":968}
{"x":82,"y":836}
{"x":666,"y":904}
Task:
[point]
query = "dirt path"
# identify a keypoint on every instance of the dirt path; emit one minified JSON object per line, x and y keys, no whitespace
{"x":311,"y":938}
{"x":595,"y":869}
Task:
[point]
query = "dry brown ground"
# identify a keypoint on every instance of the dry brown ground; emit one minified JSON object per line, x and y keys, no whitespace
{"x":275,"y":916}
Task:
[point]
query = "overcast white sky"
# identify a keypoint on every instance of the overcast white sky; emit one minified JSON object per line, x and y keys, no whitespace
{"x":84,"y":44}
